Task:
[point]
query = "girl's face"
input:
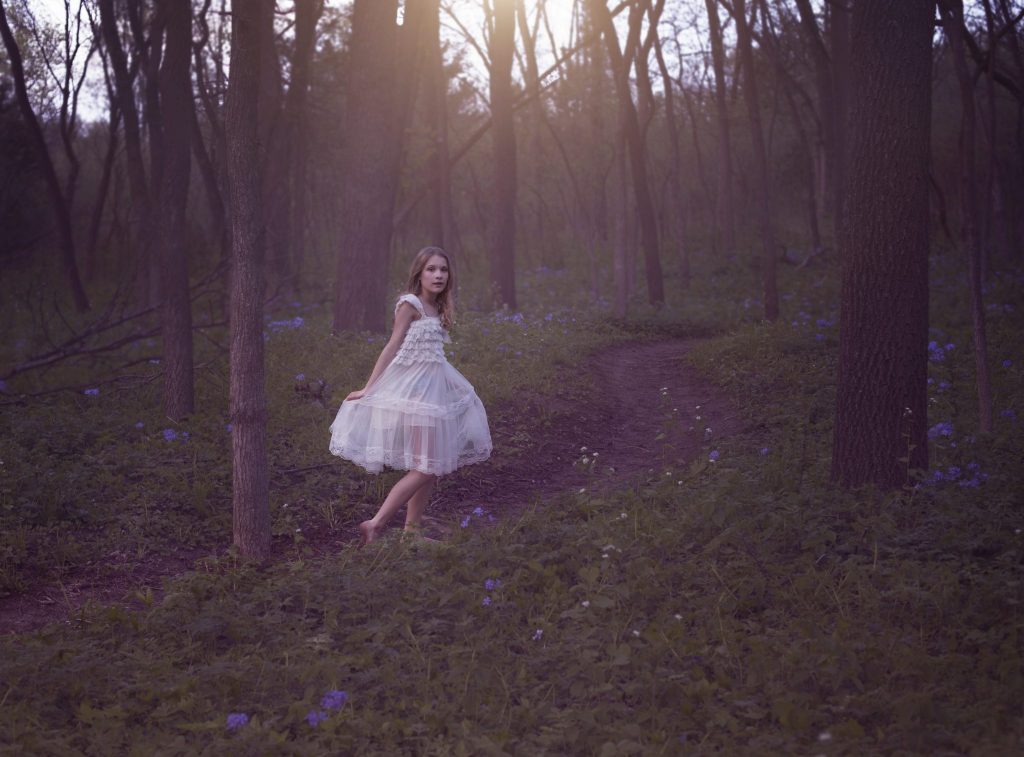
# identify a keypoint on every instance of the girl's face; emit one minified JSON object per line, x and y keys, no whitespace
{"x":434,"y":277}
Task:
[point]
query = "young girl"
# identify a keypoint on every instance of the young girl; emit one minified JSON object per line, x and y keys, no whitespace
{"x":416,"y":412}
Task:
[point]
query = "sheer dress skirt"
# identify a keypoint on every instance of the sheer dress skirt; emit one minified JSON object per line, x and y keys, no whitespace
{"x":421,"y":415}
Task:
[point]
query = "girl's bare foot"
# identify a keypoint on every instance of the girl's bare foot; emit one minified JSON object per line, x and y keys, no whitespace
{"x":367,"y":533}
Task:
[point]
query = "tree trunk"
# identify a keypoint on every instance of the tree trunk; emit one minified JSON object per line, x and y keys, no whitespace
{"x":89,"y":263}
{"x":637,"y":154}
{"x":172,"y":245}
{"x":62,"y":218}
{"x":503,"y":243}
{"x":881,"y":397}
{"x":677,"y":210}
{"x":439,"y":167}
{"x":770,"y":291}
{"x":823,"y":83}
{"x":248,"y":401}
{"x":839,"y":36}
{"x":307,"y":13}
{"x":376,"y":108}
{"x":725,"y":216}
{"x":953,"y":21}
{"x":139,"y":207}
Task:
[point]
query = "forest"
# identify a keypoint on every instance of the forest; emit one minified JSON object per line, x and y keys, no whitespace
{"x":739,"y":283}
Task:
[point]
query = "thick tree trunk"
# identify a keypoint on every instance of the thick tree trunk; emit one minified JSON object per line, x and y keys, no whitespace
{"x":503,"y":242}
{"x":381,"y":79}
{"x":770,"y":292}
{"x":953,"y":21}
{"x":881,"y":397}
{"x":62,"y":218}
{"x":725,"y":215}
{"x":248,"y":401}
{"x":637,"y":155}
{"x":172,"y":245}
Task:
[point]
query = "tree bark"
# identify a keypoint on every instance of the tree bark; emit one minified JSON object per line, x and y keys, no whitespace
{"x":770,"y":292}
{"x":823,"y":83}
{"x":678,"y":210}
{"x":381,"y":79}
{"x":439,"y":167}
{"x":139,"y":207}
{"x":307,"y":14}
{"x":248,"y":402}
{"x":881,"y":397}
{"x":725,"y":215}
{"x":637,"y":154}
{"x":839,"y":37}
{"x":58,"y":202}
{"x":176,"y":110}
{"x":503,"y":243}
{"x":953,"y":21}
{"x":113,"y":126}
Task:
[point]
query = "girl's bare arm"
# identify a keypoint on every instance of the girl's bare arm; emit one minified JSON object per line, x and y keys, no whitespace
{"x":403,"y":318}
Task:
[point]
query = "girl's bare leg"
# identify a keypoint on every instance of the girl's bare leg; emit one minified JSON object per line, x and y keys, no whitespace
{"x":417,"y":504}
{"x":400,"y":493}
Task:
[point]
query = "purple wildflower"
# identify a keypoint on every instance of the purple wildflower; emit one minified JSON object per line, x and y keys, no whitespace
{"x":465,"y":522}
{"x":1008,"y":413}
{"x":538,"y":634}
{"x":764,"y":451}
{"x":170,"y":434}
{"x":92,"y":392}
{"x":316,"y":717}
{"x":487,"y":602}
{"x":1007,"y":363}
{"x":236,"y":720}
{"x":333,"y":699}
{"x":713,"y":457}
{"x":300,"y":377}
{"x":140,"y":424}
{"x":940,"y":429}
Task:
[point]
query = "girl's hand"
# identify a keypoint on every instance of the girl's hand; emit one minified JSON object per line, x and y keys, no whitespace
{"x":357,"y":394}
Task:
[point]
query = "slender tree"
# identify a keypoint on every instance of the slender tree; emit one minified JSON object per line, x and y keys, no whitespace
{"x":172,"y":243}
{"x":881,"y":394}
{"x":770,"y":292}
{"x":124,"y":86}
{"x":725,"y":215}
{"x":503,"y":242}
{"x":248,"y":401}
{"x":307,"y":14}
{"x":61,"y":212}
{"x":953,"y":22}
{"x":634,"y":143}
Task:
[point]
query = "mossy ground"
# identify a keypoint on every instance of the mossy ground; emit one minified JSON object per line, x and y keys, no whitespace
{"x":743,"y":605}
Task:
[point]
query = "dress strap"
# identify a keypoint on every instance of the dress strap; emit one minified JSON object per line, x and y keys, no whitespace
{"x":412,"y":300}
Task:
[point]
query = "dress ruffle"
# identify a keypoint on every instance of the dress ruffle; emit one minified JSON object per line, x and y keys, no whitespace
{"x":421,"y":414}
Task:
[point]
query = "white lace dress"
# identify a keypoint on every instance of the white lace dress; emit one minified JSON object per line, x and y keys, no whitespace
{"x":421,"y":414}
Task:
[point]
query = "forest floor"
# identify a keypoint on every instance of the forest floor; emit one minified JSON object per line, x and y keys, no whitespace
{"x":607,"y":435}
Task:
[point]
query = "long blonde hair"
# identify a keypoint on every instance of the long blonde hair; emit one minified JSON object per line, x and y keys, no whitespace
{"x":446,"y":299}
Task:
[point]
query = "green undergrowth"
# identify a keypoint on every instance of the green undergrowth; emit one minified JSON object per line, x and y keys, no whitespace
{"x":737,"y":603}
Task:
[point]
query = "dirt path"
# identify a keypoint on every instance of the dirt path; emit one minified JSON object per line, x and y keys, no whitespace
{"x":620,"y":419}
{"x":640,"y":390}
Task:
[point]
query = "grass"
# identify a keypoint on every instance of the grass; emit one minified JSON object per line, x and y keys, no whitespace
{"x":740,"y":606}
